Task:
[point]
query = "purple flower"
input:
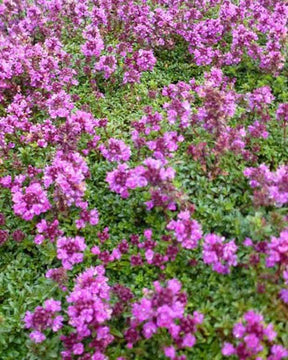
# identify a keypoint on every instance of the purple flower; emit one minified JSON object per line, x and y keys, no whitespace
{"x":37,"y":336}
{"x":70,"y":251}
{"x":278,"y":353}
{"x":67,"y":173}
{"x":59,"y":275}
{"x":94,"y":44}
{"x":252,"y":342}
{"x":89,"y":306}
{"x":277,"y":250}
{"x":78,"y":349}
{"x":149,"y":329}
{"x":2,"y":219}
{"x":116,"y":151}
{"x":4,"y":234}
{"x":47,"y":230}
{"x":30,"y":201}
{"x":282,"y":112}
{"x":91,"y":217}
{"x":117,"y":180}
{"x":188,"y":232}
{"x":18,"y":235}
{"x":189,"y":340}
{"x":251,"y":336}
{"x":43,"y":318}
{"x":219,"y":254}
{"x":170,"y":352}
{"x":164,"y":308}
{"x":228,"y":349}
{"x":107,"y":64}
{"x":60,"y":105}
{"x":145,"y":60}
{"x":284,"y":295}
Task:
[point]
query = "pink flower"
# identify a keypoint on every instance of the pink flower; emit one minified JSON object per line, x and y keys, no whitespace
{"x":30,"y":201}
{"x":60,"y":105}
{"x":117,"y":180}
{"x":67,"y":173}
{"x":251,"y":336}
{"x":188,"y":340}
{"x":89,"y":306}
{"x":143,"y":310}
{"x":107,"y":64}
{"x":188,"y":232}
{"x":228,"y":349}
{"x":37,"y":336}
{"x":149,"y":254}
{"x":219,"y":254}
{"x":94,"y":44}
{"x":78,"y":349}
{"x":43,"y":318}
{"x":59,"y":275}
{"x":149,"y":329}
{"x":99,"y":356}
{"x":47,"y":230}
{"x":239,"y":330}
{"x":116,"y":151}
{"x":170,"y":352}
{"x":91,"y":217}
{"x":282,"y":112}
{"x":145,"y":60}
{"x":70,"y":251}
{"x":164,"y":308}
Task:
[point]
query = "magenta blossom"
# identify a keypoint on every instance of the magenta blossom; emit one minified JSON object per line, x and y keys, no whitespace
{"x":30,"y":201}
{"x":219,"y":254}
{"x":47,"y":230}
{"x":70,"y":251}
{"x":44,"y":318}
{"x":164,"y":308}
{"x":251,"y":336}
{"x":91,"y":217}
{"x":116,"y":151}
{"x":186,"y":230}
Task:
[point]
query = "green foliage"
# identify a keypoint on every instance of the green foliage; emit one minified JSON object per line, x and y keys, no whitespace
{"x":223,"y":205}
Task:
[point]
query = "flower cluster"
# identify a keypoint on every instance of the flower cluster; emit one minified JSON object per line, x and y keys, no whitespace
{"x":67,"y":173}
{"x":219,"y":254}
{"x":187,"y":232}
{"x":153,"y":173}
{"x":61,"y":64}
{"x":70,"y":251}
{"x":164,"y":308}
{"x":44,"y":318}
{"x":270,"y":187}
{"x":4,"y":234}
{"x":91,"y":217}
{"x":282,"y":112}
{"x":88,"y":310}
{"x":277,"y":250}
{"x":116,"y":151}
{"x":116,"y":254}
{"x":251,"y":337}
{"x":30,"y":201}
{"x":47,"y":230}
{"x":276,"y":254}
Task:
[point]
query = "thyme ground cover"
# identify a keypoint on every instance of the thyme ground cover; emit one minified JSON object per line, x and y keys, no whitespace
{"x":143,"y":179}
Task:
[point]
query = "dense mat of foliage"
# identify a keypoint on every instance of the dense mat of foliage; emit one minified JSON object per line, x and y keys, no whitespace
{"x":143,"y":179}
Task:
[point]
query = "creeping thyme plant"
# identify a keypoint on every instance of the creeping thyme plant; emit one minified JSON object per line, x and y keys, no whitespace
{"x":143,"y":179}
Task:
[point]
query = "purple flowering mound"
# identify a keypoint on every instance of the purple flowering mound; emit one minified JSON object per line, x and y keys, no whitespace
{"x":143,"y":179}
